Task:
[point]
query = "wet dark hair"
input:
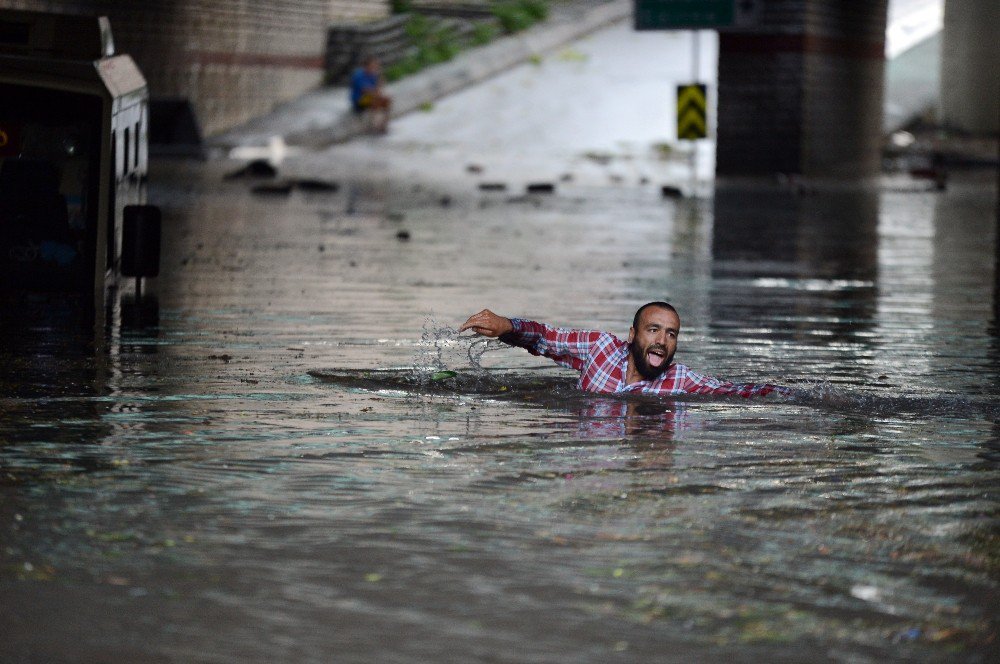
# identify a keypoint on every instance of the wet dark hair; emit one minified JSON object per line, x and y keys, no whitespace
{"x":661,"y":305}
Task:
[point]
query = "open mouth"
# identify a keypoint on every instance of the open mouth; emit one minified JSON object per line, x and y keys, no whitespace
{"x":655,"y":357}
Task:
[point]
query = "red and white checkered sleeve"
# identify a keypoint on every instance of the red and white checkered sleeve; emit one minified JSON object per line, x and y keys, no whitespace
{"x":568,"y":347}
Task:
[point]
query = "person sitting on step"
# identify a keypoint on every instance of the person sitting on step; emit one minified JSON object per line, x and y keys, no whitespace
{"x":368,"y":96}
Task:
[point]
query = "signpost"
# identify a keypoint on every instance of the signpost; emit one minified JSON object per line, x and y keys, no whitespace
{"x":691,"y":121}
{"x":695,"y":15}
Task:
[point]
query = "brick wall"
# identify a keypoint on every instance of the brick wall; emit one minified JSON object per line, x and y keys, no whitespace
{"x":233,"y":59}
{"x":357,"y":10}
{"x":801,"y":92}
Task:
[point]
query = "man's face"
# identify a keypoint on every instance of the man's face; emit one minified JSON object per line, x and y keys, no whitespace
{"x":654,"y":342}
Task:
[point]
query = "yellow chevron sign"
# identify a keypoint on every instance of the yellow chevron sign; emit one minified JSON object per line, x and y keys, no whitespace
{"x":691,"y":112}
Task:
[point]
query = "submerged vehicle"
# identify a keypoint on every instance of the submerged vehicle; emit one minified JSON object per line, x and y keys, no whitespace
{"x":73,"y":159}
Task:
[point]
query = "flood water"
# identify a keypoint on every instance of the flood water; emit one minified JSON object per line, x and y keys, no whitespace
{"x":261,"y":468}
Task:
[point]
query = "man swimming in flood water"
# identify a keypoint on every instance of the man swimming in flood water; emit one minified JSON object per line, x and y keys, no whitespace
{"x":642,"y":364}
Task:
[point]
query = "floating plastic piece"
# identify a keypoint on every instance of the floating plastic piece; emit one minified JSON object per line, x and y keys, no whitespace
{"x":316,"y":185}
{"x":278,"y":189}
{"x":258,"y":168}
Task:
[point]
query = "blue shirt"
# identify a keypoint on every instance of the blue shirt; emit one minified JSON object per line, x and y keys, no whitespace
{"x":362,"y":82}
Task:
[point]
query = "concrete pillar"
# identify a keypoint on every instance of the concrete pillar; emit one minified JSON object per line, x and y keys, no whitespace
{"x":801,"y":91}
{"x":970,"y":66}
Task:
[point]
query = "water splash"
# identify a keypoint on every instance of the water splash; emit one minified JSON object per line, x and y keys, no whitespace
{"x":434,"y":339}
{"x":830,"y":397}
{"x":479,"y":347}
{"x":417,"y":380}
{"x":444,"y":350}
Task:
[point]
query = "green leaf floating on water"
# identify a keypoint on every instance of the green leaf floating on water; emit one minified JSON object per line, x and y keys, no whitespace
{"x":441,"y":375}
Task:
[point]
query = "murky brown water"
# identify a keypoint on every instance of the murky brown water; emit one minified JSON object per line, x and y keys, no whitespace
{"x":193,"y":493}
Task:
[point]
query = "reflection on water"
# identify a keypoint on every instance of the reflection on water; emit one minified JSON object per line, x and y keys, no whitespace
{"x":262,"y":465}
{"x":805,"y":268}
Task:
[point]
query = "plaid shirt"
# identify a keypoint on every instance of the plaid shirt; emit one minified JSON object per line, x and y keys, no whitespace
{"x":602,"y":360}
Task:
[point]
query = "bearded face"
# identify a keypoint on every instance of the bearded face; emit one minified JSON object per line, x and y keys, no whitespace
{"x":653,"y":343}
{"x":652,"y":360}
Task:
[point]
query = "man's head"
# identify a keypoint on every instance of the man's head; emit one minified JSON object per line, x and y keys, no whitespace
{"x":372,"y":64}
{"x":653,"y":338}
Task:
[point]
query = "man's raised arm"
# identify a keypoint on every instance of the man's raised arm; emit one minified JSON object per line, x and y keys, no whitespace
{"x":568,"y":347}
{"x":487,"y":324}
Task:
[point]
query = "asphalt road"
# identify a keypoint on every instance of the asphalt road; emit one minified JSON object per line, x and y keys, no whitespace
{"x":600,"y":109}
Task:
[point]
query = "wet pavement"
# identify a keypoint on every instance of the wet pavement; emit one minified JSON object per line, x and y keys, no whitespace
{"x":263,"y":467}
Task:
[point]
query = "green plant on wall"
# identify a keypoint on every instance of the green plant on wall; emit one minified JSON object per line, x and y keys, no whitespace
{"x":484,"y":33}
{"x":516,"y":15}
{"x":433,"y":42}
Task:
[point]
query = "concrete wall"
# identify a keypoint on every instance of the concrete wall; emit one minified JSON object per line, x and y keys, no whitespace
{"x":801,"y":91}
{"x":234,"y":59}
{"x":970,"y":66}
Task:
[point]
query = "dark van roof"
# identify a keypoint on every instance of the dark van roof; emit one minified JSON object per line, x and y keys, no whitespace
{"x":58,"y":36}
{"x":65,"y":52}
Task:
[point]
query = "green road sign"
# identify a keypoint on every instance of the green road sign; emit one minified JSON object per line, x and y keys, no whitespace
{"x":691,"y":123}
{"x":693,"y":14}
{"x":681,"y":14}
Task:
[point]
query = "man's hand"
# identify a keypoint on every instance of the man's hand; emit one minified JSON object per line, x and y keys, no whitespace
{"x":487,"y":324}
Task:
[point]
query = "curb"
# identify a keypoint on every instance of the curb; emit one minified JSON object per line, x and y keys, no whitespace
{"x":322,"y":117}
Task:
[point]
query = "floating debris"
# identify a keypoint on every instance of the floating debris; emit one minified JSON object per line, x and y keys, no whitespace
{"x":258,"y":168}
{"x":572,"y":55}
{"x":277,"y":189}
{"x":316,"y":185}
{"x":669,"y":191}
{"x":403,"y":235}
{"x":663,"y":150}
{"x":600,"y":157}
{"x":541,"y":188}
{"x":492,"y":186}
